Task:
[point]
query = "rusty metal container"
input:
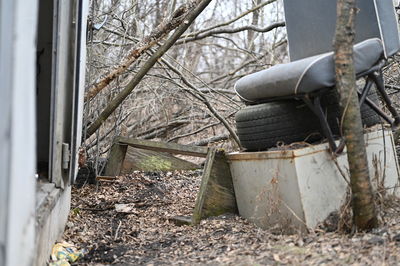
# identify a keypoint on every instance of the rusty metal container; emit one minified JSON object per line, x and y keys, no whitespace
{"x":295,"y":189}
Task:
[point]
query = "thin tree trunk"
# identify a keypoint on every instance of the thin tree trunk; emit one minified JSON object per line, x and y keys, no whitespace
{"x":364,"y":212}
{"x":254,"y":22}
{"x":110,"y":108}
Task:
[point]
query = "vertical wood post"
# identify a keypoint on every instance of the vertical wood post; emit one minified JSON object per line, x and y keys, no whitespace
{"x":116,"y":158}
{"x":216,"y":195}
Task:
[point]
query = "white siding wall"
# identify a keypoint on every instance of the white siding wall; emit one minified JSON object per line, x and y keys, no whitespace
{"x":18,"y":22}
{"x":20,"y":232}
{"x":6,"y":19}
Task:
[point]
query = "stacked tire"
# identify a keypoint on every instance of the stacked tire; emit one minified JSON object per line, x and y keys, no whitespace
{"x":267,"y":125}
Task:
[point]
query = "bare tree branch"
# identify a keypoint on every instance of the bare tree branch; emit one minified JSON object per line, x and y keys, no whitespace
{"x":177,"y":19}
{"x":192,"y":34}
{"x":191,"y":16}
{"x":204,"y":142}
{"x":230,"y":31}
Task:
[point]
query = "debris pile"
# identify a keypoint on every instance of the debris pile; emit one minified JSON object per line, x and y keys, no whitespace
{"x":128,"y":222}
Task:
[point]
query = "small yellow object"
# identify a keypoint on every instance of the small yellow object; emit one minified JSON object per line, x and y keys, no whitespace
{"x":64,"y":253}
{"x":72,"y":257}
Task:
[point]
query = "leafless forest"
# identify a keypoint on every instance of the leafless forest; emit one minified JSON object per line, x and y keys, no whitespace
{"x":188,"y":95}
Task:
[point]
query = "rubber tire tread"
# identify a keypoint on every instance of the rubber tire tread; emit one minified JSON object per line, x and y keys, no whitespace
{"x":262,"y":126}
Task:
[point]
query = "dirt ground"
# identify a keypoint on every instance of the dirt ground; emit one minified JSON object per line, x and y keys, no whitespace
{"x":128,"y":222}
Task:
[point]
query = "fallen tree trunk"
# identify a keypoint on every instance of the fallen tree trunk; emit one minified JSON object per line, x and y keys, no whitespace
{"x":179,"y":17}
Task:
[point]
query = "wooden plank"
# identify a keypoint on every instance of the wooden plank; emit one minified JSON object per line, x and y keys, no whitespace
{"x":181,"y":220}
{"x":147,"y":160}
{"x":106,"y":178}
{"x":198,"y":208}
{"x":216,"y":195}
{"x":115,"y":159}
{"x":220,"y":194}
{"x":164,"y":147}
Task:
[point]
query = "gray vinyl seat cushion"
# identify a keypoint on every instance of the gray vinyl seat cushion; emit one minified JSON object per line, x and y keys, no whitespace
{"x":305,"y":75}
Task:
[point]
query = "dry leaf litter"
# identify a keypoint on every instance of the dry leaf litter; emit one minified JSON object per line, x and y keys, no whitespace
{"x":128,"y":222}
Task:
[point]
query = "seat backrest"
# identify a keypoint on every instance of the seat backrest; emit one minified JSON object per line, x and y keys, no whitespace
{"x":311,"y":25}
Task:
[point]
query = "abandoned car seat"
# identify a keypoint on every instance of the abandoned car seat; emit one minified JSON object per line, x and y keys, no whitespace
{"x":310,"y":26}
{"x":304,"y":75}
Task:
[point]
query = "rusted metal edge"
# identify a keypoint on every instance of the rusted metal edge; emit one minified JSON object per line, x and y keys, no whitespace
{"x":369,"y":135}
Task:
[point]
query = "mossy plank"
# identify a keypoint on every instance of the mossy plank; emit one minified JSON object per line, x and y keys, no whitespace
{"x":216,"y":195}
{"x":164,"y":147}
{"x":116,"y":157}
{"x":147,"y":160}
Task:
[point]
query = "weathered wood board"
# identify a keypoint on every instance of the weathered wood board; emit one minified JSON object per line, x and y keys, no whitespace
{"x":158,"y":160}
{"x":164,"y":146}
{"x":115,"y":159}
{"x":146,"y":160}
{"x":216,"y":195}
